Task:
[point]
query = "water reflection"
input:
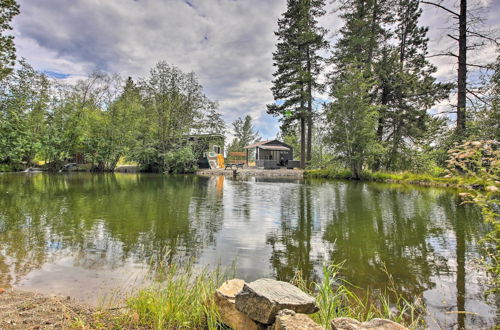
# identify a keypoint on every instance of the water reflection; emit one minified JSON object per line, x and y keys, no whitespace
{"x":58,"y":232}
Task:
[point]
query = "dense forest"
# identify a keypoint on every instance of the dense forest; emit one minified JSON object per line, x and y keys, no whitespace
{"x":362,"y":101}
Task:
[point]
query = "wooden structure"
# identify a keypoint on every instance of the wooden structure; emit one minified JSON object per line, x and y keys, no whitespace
{"x":270,"y":155}
{"x":237,"y":159}
{"x":207,"y":146}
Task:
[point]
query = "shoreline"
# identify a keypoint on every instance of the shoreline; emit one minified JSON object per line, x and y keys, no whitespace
{"x":252,"y":172}
{"x":423,"y":180}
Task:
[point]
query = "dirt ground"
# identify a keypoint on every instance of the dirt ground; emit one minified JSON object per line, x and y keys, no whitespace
{"x":27,"y":310}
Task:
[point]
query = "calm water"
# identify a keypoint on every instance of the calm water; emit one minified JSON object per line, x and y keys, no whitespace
{"x":83,"y":235}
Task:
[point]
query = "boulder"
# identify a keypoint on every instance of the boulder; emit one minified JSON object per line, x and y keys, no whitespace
{"x":345,"y":323}
{"x":289,"y":320}
{"x":225,"y":300}
{"x":262,"y":299}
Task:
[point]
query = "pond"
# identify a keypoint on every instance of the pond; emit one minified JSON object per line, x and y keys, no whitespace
{"x":85,"y":235}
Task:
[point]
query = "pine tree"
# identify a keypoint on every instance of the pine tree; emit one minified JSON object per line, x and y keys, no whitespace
{"x":297,"y":66}
{"x":362,"y":36}
{"x":411,"y":90}
{"x":244,"y":134}
{"x":362,"y":47}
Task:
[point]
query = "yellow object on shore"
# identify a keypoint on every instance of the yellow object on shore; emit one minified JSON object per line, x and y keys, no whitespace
{"x":220,"y":161}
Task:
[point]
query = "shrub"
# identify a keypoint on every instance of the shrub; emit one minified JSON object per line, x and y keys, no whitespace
{"x":481,"y":160}
{"x":181,"y":160}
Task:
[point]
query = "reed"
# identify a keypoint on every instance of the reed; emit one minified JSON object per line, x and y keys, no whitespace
{"x":336,"y":297}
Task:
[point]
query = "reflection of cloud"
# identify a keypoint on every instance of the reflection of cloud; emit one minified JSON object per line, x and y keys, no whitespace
{"x":229,"y":44}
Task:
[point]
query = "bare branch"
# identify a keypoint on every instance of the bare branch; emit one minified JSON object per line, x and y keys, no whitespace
{"x":444,"y":8}
{"x":442,"y":54}
{"x":479,"y":66}
{"x":479,"y":35}
{"x":452,"y":37}
{"x":478,"y":97}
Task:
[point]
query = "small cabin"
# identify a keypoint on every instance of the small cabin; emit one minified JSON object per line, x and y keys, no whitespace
{"x":271,"y":154}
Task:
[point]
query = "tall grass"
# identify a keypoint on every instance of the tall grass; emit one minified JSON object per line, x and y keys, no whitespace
{"x":180,"y":298}
{"x":336,"y":297}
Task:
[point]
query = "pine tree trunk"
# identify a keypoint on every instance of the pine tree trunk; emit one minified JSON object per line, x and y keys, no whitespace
{"x":302,"y":139}
{"x":309,"y":109}
{"x":372,"y":33}
{"x":309,"y":131}
{"x":462,"y":67}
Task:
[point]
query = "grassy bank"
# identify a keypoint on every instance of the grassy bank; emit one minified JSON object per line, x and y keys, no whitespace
{"x":424,"y":179}
{"x":184,"y":298}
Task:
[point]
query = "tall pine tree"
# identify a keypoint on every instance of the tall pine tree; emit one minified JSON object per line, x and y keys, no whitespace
{"x":298,"y":64}
{"x":411,"y":90}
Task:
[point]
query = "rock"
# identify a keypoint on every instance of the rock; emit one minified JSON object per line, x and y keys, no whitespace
{"x":345,"y":323}
{"x":289,"y":320}
{"x":262,"y":299}
{"x":225,"y":300}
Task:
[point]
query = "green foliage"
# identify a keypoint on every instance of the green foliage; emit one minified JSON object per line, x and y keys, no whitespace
{"x":299,"y":40}
{"x":100,"y":120}
{"x":352,"y":121}
{"x":24,"y":100}
{"x":485,"y":123}
{"x":382,"y":39}
{"x":181,"y":160}
{"x":111,"y":130}
{"x":298,"y":65}
{"x":410,"y":91}
{"x":174,"y":107}
{"x":244,"y":134}
{"x":426,"y":179}
{"x":481,"y":160}
{"x":8,"y":9}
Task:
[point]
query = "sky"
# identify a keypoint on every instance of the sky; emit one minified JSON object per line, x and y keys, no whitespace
{"x":227,"y":43}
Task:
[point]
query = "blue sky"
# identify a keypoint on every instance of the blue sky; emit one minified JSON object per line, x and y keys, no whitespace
{"x":228,"y":43}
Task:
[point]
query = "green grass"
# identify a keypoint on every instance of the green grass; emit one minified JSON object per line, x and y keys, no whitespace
{"x":400,"y":177}
{"x":181,"y":297}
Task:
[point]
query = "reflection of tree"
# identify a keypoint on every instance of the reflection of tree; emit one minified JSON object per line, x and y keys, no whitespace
{"x":102,"y":220}
{"x":291,"y":245}
{"x":374,"y":227}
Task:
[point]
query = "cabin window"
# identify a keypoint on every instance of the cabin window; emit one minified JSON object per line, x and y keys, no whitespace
{"x":217,"y":149}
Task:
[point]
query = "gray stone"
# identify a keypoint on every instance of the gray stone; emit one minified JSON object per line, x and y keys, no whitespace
{"x":345,"y":323}
{"x":225,"y":300}
{"x":261,"y":300}
{"x":289,"y":320}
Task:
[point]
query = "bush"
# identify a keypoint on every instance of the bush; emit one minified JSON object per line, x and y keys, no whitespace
{"x":475,"y":158}
{"x":5,"y":168}
{"x":181,"y":160}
